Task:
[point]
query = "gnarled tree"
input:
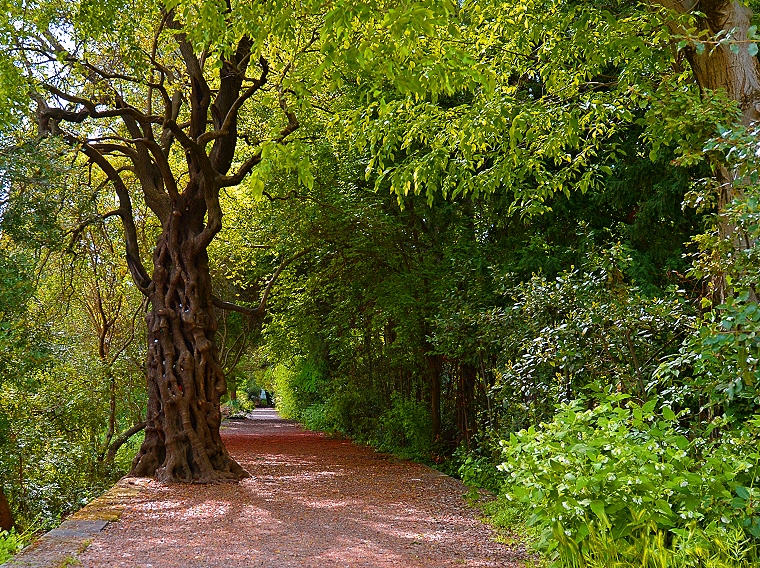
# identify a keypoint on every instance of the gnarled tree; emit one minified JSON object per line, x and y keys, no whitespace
{"x":160,"y":119}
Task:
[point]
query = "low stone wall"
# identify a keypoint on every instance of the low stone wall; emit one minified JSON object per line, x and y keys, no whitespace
{"x":61,"y":546}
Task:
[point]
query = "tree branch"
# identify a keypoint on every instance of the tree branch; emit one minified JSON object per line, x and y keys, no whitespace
{"x":163,"y":166}
{"x":91,"y":109}
{"x":261,"y":308}
{"x":122,"y":439}
{"x":239,"y":176}
{"x":139,"y":274}
{"x":231,"y":117}
{"x":79,"y":229}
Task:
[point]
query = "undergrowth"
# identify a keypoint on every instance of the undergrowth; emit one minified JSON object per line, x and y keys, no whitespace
{"x":624,"y":485}
{"x":11,"y":542}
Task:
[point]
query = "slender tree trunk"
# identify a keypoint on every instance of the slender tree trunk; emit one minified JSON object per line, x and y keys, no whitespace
{"x":6,"y":517}
{"x":468,"y":376}
{"x":185,"y":380}
{"x":435,"y":365}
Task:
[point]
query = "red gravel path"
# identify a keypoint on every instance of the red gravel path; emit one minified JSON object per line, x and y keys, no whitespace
{"x":311,"y":502}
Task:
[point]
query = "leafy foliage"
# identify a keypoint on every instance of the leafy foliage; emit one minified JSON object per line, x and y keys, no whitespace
{"x":626,"y":473}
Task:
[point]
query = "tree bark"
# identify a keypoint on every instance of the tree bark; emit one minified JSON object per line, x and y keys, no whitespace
{"x":6,"y":516}
{"x":435,"y":366}
{"x":185,"y":380}
{"x":467,"y":379}
{"x":721,"y":69}
{"x":737,"y":74}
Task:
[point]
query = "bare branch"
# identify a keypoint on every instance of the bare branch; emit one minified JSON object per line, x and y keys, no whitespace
{"x":122,"y":439}
{"x":91,"y":109}
{"x":79,"y":229}
{"x":163,"y":166}
{"x":201,"y":93}
{"x":139,"y":274}
{"x":239,"y":176}
{"x":261,"y":308}
{"x":189,"y":144}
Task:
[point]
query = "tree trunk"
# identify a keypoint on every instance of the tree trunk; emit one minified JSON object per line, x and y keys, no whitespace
{"x":737,"y":74}
{"x":720,"y":69}
{"x":435,"y":365}
{"x":467,"y":379}
{"x":6,"y":517}
{"x":185,"y":380}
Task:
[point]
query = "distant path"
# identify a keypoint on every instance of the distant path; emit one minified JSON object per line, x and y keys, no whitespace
{"x":312,"y":502}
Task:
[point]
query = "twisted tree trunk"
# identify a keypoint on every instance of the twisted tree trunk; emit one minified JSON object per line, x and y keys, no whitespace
{"x":185,"y":379}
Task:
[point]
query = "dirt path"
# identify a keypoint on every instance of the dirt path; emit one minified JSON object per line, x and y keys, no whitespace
{"x":311,"y":502}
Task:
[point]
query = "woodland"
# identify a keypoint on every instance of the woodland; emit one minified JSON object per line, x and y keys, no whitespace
{"x":513,"y":239}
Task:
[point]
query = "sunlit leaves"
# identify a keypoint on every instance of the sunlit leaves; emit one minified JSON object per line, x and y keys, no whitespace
{"x":622,"y":473}
{"x":550,"y":87}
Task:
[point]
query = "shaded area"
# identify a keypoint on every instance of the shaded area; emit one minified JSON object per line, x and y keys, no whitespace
{"x":310,"y":501}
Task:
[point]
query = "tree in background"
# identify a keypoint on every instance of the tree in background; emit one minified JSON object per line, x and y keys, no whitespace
{"x":71,"y":394}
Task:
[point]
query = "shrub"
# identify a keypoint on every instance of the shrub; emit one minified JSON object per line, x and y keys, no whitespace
{"x":624,"y":478}
{"x":405,"y":429}
{"x":313,"y":417}
{"x":10,"y":544}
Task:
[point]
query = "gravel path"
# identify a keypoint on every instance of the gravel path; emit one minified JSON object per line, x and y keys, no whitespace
{"x":311,"y":502}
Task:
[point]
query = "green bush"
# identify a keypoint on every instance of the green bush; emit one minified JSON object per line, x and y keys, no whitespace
{"x":347,"y":410}
{"x":298,"y":385}
{"x":10,"y":544}
{"x":476,"y":466}
{"x":405,"y":429}
{"x":622,"y":483}
{"x":717,"y":367}
{"x":313,"y":417}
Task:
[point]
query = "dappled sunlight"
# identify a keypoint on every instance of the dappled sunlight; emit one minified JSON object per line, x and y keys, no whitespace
{"x":161,"y":507}
{"x":368,"y":553}
{"x":311,"y":501}
{"x":207,"y":510}
{"x":328,"y":504}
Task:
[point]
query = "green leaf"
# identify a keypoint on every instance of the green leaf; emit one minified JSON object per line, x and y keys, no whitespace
{"x":752,"y":49}
{"x":743,"y":492}
{"x":598,"y":508}
{"x":649,"y":406}
{"x":738,"y":503}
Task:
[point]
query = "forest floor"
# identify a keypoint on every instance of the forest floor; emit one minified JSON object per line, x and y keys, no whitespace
{"x":310,"y":501}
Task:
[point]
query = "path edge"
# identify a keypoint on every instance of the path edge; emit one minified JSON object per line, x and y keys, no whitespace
{"x":61,"y":546}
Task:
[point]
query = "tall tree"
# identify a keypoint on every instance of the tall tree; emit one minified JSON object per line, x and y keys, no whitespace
{"x":720,"y":48}
{"x":160,"y":118}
